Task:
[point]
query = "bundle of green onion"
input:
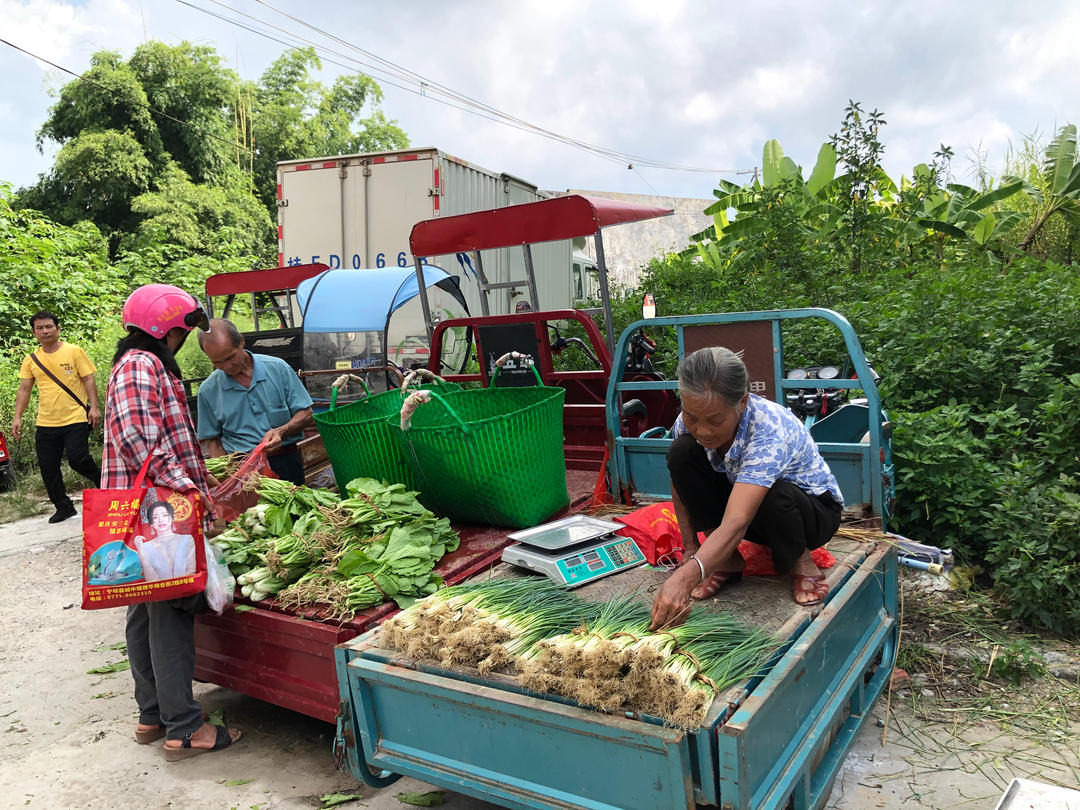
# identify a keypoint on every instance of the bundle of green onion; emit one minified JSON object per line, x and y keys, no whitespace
{"x":600,"y":655}
{"x":485,"y":624}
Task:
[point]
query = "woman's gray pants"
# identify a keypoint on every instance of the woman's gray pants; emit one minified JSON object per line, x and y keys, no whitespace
{"x":161,"y":649}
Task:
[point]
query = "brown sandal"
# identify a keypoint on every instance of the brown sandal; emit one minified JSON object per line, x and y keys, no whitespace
{"x":148,"y":735}
{"x":809,"y":584}
{"x":145,"y":736}
{"x":223,"y":739}
{"x":716,"y":582}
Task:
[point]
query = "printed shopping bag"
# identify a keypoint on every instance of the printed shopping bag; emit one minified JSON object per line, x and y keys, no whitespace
{"x":143,"y":544}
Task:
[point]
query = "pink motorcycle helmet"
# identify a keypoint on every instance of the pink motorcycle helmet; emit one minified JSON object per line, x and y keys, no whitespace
{"x":157,"y":308}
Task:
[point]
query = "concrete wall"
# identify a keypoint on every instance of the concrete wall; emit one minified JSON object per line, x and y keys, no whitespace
{"x":627,"y":248}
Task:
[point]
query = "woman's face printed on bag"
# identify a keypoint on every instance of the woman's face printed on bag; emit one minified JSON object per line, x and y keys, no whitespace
{"x":161,"y":520}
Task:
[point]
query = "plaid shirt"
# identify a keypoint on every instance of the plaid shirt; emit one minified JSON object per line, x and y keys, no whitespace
{"x":145,"y":410}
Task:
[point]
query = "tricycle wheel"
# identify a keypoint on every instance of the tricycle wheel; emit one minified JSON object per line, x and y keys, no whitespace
{"x":7,"y":478}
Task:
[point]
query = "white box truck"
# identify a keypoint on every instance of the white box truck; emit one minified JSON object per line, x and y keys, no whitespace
{"x":356,"y":211}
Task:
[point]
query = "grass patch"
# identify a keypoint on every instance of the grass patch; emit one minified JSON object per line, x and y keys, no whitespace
{"x":912,"y":656}
{"x":29,"y":498}
{"x":18,"y":504}
{"x":977,"y":665}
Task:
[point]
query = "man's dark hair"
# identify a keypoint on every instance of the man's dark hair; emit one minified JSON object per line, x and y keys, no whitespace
{"x":138,"y":339}
{"x":44,"y":315}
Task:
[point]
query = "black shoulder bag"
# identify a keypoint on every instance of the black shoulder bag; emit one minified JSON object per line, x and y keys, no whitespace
{"x":74,"y":396}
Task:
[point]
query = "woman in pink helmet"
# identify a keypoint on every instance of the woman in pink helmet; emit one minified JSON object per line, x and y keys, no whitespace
{"x":146,"y":414}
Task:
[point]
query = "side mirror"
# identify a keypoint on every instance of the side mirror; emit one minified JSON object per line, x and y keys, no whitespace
{"x":648,"y":306}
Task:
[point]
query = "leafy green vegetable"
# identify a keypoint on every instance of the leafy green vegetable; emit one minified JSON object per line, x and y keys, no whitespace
{"x":120,"y":646}
{"x":119,"y":666}
{"x":235,"y":782}
{"x":431,"y":799}
{"x":337,"y":799}
{"x":308,"y":547}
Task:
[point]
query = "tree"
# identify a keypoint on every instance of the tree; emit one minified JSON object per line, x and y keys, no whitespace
{"x":95,"y":177}
{"x":110,"y":98}
{"x":294,"y":116}
{"x":202,"y":218}
{"x":188,"y":85}
{"x":126,"y":129}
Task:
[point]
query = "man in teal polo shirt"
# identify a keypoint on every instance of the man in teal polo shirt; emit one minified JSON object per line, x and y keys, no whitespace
{"x":248,"y":398}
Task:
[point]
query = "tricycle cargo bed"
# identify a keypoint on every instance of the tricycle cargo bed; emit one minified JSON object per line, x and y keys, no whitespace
{"x":776,"y":738}
{"x":286,"y":656}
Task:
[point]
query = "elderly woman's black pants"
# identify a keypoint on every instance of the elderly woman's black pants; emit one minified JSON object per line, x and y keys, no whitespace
{"x":789,"y":520}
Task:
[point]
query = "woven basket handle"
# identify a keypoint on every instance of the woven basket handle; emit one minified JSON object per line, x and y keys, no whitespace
{"x":418,"y":374}
{"x":343,"y":382}
{"x":417,"y":398}
{"x":516,"y":356}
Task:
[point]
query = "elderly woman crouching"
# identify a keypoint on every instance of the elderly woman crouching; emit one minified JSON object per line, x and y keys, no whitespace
{"x":742,"y":467}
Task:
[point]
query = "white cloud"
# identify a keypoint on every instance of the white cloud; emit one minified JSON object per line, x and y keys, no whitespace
{"x":674,"y":81}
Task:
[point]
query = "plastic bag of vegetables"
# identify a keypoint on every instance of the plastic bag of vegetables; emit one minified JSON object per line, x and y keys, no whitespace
{"x":220,"y":583}
{"x":237,"y":491}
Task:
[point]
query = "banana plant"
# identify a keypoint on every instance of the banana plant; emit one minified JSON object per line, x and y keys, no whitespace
{"x":914,"y":213}
{"x":958,"y":211}
{"x":1059,"y":190}
{"x":781,"y":177}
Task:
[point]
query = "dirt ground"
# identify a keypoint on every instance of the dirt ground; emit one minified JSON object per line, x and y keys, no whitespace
{"x":68,"y":733}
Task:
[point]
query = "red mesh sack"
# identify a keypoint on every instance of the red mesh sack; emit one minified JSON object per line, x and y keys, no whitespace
{"x":655,"y":530}
{"x":236,"y":494}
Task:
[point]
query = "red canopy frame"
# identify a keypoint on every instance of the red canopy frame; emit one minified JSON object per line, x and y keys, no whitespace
{"x":276,"y":278}
{"x":544,"y":221}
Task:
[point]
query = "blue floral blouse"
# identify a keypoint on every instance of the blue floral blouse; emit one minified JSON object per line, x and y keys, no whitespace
{"x":771,"y":444}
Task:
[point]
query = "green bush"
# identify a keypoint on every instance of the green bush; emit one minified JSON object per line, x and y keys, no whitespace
{"x":948,"y":461}
{"x":968,"y":332}
{"x":1033,"y":549}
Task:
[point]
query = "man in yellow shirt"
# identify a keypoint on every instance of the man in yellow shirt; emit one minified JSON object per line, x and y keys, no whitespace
{"x":67,"y":409}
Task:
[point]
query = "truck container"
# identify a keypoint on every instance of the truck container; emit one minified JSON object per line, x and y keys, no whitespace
{"x":356,"y":211}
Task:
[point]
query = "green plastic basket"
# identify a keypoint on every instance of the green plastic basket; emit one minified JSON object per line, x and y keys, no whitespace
{"x":492,"y":456}
{"x":359,"y":441}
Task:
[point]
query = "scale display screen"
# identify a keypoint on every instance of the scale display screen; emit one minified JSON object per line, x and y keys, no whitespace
{"x":576,"y":567}
{"x":597,"y":562}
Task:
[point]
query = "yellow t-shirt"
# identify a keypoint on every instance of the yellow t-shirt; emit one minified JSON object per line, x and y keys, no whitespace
{"x":70,"y":364}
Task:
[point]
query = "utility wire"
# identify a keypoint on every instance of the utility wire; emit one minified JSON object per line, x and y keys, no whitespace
{"x":427,"y":88}
{"x":368,"y":69}
{"x":467,"y":99}
{"x":81,"y":77}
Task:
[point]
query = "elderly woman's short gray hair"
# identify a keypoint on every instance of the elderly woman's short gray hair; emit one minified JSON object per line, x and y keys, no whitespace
{"x":714,"y":372}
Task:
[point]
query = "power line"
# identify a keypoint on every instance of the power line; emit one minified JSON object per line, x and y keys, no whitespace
{"x":81,"y":77}
{"x":293,"y":41}
{"x":428,"y":88}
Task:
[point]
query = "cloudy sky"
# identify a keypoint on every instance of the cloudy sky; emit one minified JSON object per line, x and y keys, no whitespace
{"x":691,"y":84}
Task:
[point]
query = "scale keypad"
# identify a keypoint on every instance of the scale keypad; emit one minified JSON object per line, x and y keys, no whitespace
{"x":625,"y":553}
{"x":600,"y":561}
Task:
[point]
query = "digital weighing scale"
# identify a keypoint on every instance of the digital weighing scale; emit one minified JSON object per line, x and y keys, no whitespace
{"x":574,"y":550}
